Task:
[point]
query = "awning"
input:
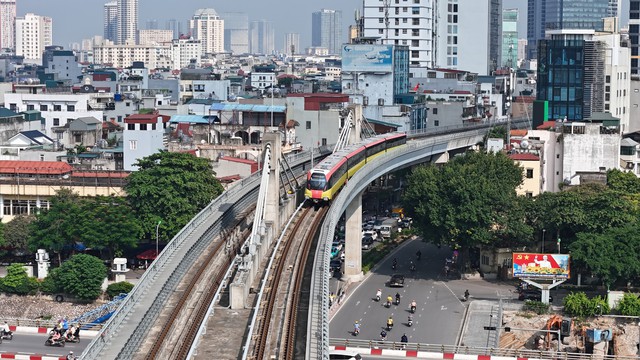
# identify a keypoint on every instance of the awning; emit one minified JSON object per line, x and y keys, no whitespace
{"x":147,"y":255}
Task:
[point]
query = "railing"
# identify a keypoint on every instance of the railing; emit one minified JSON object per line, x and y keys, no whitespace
{"x":470,"y":350}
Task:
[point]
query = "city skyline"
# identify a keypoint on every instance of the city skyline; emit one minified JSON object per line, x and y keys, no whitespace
{"x":289,"y":17}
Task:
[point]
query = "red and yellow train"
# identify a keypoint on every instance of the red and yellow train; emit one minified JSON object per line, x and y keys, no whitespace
{"x":325,"y":179}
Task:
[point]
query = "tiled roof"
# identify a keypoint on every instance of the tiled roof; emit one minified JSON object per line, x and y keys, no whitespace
{"x":34,"y":167}
{"x":524,"y":157}
{"x":238,"y":160}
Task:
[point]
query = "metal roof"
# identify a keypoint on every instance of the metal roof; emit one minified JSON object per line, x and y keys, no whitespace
{"x":247,"y":107}
{"x":189,"y":119}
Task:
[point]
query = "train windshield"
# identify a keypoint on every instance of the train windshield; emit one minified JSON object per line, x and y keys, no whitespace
{"x":317,"y":182}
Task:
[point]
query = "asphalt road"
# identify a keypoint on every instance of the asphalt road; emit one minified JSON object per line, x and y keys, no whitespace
{"x":439,"y":314}
{"x":31,"y":344}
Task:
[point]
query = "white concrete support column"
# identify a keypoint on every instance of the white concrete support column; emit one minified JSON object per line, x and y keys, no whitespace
{"x":354,"y":135}
{"x":353,"y":241}
{"x":272,"y":203}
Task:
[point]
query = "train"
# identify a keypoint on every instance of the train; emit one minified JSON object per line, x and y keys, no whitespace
{"x":328,"y":176}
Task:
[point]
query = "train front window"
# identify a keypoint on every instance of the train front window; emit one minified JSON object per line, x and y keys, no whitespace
{"x":317,"y":182}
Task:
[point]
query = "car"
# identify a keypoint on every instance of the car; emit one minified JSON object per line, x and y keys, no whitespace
{"x":377,"y":224}
{"x":372,"y":234}
{"x":334,"y":251}
{"x":367,"y":243}
{"x":367,"y":227}
{"x":344,"y":355}
{"x":532,"y":294}
{"x":397,"y":280}
{"x":335,"y":265}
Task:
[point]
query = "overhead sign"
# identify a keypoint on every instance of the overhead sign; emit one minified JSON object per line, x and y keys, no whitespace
{"x":541,"y":265}
{"x":367,"y":58}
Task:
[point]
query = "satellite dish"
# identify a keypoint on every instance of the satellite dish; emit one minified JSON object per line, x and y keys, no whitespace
{"x":524,"y":144}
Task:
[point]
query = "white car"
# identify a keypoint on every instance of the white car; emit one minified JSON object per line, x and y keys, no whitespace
{"x":373,"y":234}
{"x":344,"y":355}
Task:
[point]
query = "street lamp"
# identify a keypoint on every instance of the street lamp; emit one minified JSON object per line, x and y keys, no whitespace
{"x":543,"y":231}
{"x":157,"y":237}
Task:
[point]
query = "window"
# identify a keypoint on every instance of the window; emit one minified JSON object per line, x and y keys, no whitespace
{"x":131,"y":126}
{"x":608,"y":79}
{"x":529,"y":173}
{"x":380,"y":9}
{"x":78,"y":138}
{"x":71,"y":108}
{"x":528,"y":194}
{"x":415,"y":21}
{"x":380,"y":31}
{"x":143,"y":127}
{"x":381,"y":20}
{"x":44,"y":108}
{"x":436,"y":122}
{"x":415,"y":53}
{"x":133,"y":144}
{"x":30,"y":107}
{"x":127,"y":103}
{"x":308,"y":125}
{"x":57,"y":107}
{"x":41,"y":157}
{"x":435,"y":111}
{"x":13,"y":107}
{"x":56,"y":122}
{"x":153,"y":126}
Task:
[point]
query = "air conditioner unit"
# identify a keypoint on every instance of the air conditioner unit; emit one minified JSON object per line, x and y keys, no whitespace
{"x":380,"y":102}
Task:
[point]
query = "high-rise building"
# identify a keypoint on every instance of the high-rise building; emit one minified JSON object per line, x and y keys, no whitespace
{"x":291,"y":44}
{"x":127,"y":21}
{"x":545,"y":15}
{"x":634,"y":35}
{"x":261,"y":37}
{"x":510,"y":44}
{"x":208,"y":27}
{"x":326,"y":30}
{"x":236,"y":32}
{"x":461,"y":46}
{"x":175,"y":26}
{"x":33,"y":34}
{"x":614,"y":8}
{"x":403,"y":25}
{"x":111,"y":21}
{"x":7,"y":24}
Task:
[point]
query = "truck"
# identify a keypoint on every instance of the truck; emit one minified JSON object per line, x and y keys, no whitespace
{"x":388,"y":227}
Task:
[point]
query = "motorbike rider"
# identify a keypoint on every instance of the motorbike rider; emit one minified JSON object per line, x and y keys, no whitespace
{"x":389,"y":300}
{"x":418,"y":255}
{"x":70,"y":334}
{"x":390,"y":323}
{"x":71,"y":356}
{"x":410,"y":320}
{"x":395,"y":263}
{"x":383,"y":335}
{"x":379,"y":294}
{"x":413,"y":305}
{"x":397,"y":298}
{"x":356,"y":327}
{"x":466,"y":295}
{"x":404,"y":340}
{"x":5,"y":329}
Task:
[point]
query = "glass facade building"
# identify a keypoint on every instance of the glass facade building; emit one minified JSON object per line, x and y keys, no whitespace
{"x":400,"y":70}
{"x":509,"y":58}
{"x":326,"y":30}
{"x":634,"y":34}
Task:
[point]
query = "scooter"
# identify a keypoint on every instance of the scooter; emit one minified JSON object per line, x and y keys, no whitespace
{"x":378,"y":298}
{"x":7,"y":335}
{"x":388,"y":304}
{"x":413,"y":309}
{"x":394,"y":266}
{"x":54,"y":342}
{"x":356,"y":331}
{"x":410,"y":322}
{"x":397,"y":300}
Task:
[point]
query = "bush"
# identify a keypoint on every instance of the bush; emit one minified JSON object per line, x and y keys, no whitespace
{"x":629,"y":305}
{"x":118,"y":288}
{"x":81,"y":276}
{"x":17,"y":281}
{"x":537,"y":307}
{"x":578,"y":304}
{"x":49,"y":284}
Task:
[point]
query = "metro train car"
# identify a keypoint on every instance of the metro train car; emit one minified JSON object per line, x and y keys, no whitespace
{"x":325,"y":179}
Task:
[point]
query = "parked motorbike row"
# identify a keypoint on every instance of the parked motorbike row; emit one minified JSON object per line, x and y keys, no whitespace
{"x":58,"y":336}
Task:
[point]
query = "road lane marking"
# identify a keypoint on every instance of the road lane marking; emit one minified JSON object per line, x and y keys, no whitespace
{"x":452,"y":293}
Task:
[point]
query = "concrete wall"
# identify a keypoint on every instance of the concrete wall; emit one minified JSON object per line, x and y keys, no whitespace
{"x":590,"y":151}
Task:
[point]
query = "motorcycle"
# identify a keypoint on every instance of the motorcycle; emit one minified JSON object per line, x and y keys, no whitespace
{"x":413,"y":309}
{"x":410,"y":321}
{"x":389,"y":326}
{"x":388,"y":304}
{"x":7,"y":335}
{"x":397,"y":300}
{"x":465,"y":297}
{"x":54,"y":342}
{"x":356,"y":331}
{"x":412,"y":268}
{"x":394,"y":266}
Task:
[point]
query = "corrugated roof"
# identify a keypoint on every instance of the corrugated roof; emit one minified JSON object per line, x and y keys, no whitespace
{"x":524,"y":157}
{"x":4,"y":112}
{"x":189,"y":119}
{"x":383,"y":123}
{"x":34,"y":167}
{"x":247,"y":107}
{"x":627,"y":142}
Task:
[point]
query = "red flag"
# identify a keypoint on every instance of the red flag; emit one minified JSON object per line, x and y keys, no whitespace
{"x":416,"y":88}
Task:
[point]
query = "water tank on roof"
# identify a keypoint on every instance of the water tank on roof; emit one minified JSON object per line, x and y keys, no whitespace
{"x":117,"y":97}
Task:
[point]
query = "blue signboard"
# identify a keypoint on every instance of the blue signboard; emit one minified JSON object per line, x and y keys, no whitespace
{"x":367,"y":58}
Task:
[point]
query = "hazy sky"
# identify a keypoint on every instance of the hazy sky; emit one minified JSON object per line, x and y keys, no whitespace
{"x":74,"y":20}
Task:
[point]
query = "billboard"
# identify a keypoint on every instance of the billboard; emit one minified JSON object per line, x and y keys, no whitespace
{"x":367,"y":58}
{"x":534,"y":265}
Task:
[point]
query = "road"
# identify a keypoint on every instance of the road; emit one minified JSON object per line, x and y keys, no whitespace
{"x":31,"y":344}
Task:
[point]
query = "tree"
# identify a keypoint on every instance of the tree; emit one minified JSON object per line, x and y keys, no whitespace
{"x":17,"y":281}
{"x":56,"y":229}
{"x":17,"y":232}
{"x":115,"y":289}
{"x":468,"y":202}
{"x":629,"y":305}
{"x":172,"y":188}
{"x":81,"y":276}
{"x":624,"y":182}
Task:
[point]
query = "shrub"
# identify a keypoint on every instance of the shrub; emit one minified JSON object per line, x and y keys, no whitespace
{"x":629,"y":305}
{"x":578,"y":304}
{"x":49,"y":284}
{"x":17,"y":281}
{"x":118,"y":288}
{"x":536,"y":307}
{"x":81,"y":276}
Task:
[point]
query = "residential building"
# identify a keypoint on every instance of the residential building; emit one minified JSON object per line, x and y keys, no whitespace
{"x":291,"y":44}
{"x":263,"y":77}
{"x":318,"y":115}
{"x":111,"y":21}
{"x":127,"y":19}
{"x":474,"y":48}
{"x":144,"y":134}
{"x":63,"y":64}
{"x":510,"y":41}
{"x":84,"y":131}
{"x":201,"y":84}
{"x":326,"y":30}
{"x":33,"y":34}
{"x":207,"y":27}
{"x":155,"y":37}
{"x":545,"y":15}
{"x":236,"y":32}
{"x":119,"y":56}
{"x":7,"y":24}
{"x":614,"y":9}
{"x":15,"y":146}
{"x":634,"y":35}
{"x":406,"y":24}
{"x":634,"y":104}
{"x":261,"y":37}
{"x":531,"y":174}
{"x":185,"y":52}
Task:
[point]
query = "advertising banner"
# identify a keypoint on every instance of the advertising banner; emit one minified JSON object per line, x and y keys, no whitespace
{"x":534,"y":265}
{"x":367,"y":58}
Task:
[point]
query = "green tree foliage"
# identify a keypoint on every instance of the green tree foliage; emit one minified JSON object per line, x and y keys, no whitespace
{"x":629,"y":305}
{"x":171,"y":187}
{"x":624,"y":182}
{"x":17,"y":281}
{"x":115,"y":289}
{"x":81,"y":276}
{"x":578,"y":304}
{"x":17,"y":232}
{"x":469,"y":201}
{"x":498,"y":132}
{"x":611,"y":255}
{"x":49,"y":285}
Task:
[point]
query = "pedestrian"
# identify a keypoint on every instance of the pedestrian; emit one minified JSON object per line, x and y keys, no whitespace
{"x":332,"y":298}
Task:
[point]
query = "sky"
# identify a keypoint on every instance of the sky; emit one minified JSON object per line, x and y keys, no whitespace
{"x":74,"y":20}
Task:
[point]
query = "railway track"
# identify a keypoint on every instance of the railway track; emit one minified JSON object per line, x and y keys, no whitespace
{"x":291,"y":256}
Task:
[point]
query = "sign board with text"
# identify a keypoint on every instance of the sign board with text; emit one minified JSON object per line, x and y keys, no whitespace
{"x":532,"y":265}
